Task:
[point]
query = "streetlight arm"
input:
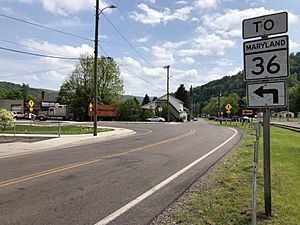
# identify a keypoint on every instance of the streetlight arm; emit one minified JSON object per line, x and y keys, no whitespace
{"x":112,"y":6}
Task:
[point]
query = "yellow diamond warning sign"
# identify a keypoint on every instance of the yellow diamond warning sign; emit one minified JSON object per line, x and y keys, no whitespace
{"x":228,"y":107}
{"x":31,"y":103}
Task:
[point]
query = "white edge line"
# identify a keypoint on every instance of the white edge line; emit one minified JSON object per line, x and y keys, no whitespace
{"x":148,"y":193}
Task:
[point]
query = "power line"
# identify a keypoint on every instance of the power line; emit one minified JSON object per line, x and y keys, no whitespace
{"x":27,"y":46}
{"x":130,"y":45}
{"x":36,"y":54}
{"x":130,"y":72}
{"x":34,"y":72}
{"x":131,"y":27}
{"x":45,"y":27}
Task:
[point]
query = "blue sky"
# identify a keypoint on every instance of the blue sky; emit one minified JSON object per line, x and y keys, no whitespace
{"x":199,"y":39}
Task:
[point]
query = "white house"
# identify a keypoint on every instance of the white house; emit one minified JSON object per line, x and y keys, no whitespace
{"x":175,"y":106}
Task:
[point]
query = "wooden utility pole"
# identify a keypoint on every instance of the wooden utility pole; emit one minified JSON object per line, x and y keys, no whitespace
{"x":168,"y":79}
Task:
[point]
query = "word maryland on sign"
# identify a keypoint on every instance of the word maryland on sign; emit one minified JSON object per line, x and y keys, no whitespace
{"x":266,"y":59}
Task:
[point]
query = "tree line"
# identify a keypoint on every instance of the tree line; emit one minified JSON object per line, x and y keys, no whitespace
{"x":77,"y":91}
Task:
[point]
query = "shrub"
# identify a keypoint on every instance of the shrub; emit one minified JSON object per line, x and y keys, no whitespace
{"x":6,"y":119}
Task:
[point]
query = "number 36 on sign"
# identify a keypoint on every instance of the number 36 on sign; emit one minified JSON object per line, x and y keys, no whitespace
{"x":266,"y":58}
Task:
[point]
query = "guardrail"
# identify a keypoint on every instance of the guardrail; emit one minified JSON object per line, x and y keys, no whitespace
{"x":297,"y":129}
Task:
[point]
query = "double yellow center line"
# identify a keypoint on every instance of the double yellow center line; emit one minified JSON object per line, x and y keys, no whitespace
{"x":88,"y":162}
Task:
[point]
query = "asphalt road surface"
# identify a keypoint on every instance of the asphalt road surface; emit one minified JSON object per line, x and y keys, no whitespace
{"x":127,"y":181}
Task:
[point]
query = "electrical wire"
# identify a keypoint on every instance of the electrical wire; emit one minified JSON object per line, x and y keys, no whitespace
{"x":27,"y":46}
{"x":132,"y":73}
{"x":129,"y":25}
{"x":126,"y":40}
{"x":35,"y":72}
{"x":36,"y":54}
{"x":45,"y":27}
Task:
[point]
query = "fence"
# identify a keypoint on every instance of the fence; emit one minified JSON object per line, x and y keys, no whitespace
{"x":31,"y":127}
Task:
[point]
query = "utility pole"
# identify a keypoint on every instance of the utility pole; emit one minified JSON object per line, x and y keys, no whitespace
{"x":191,"y":101}
{"x":98,"y":12}
{"x":96,"y":66}
{"x":168,"y":79}
{"x":219,"y":105}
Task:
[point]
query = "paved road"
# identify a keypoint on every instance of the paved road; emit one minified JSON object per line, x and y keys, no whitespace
{"x":125,"y":181}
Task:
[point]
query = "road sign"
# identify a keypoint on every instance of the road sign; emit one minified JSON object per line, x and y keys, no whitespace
{"x":31,"y":103}
{"x":30,"y":109}
{"x":266,"y":58}
{"x":265,"y":25}
{"x":266,"y":95}
{"x":228,"y":112}
{"x":228,"y":107}
{"x":247,"y":112}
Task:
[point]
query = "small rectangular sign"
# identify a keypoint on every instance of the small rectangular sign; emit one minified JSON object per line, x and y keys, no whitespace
{"x":266,"y":58}
{"x":266,"y":95}
{"x":265,"y":25}
{"x":247,"y":112}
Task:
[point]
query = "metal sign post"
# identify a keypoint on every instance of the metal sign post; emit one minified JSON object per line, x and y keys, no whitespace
{"x":267,"y":171}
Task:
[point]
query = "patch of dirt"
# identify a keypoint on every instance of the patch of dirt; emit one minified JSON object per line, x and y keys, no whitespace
{"x":10,"y":139}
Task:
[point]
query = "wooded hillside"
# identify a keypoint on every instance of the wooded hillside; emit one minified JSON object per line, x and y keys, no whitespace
{"x":236,"y":85}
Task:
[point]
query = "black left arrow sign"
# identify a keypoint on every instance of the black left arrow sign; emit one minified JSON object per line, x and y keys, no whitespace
{"x":261,"y":91}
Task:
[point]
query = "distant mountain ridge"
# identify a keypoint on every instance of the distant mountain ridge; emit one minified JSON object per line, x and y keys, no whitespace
{"x":10,"y":90}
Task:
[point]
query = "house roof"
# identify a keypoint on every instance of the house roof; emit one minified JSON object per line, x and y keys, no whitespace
{"x":172,"y":100}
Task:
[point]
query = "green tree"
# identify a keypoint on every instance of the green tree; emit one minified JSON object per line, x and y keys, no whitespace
{"x":77,"y":89}
{"x":294,"y":98}
{"x":182,"y":95}
{"x":6,"y":119}
{"x":146,"y":100}
{"x":212,"y":107}
{"x":129,"y":110}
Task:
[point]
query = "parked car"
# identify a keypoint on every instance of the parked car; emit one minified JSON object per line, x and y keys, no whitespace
{"x":155,"y":119}
{"x":29,"y":115}
{"x":245,"y":119}
{"x":212,"y":118}
{"x":195,"y":119}
{"x":18,"y":115}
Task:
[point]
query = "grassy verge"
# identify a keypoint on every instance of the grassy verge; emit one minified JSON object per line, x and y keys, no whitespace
{"x":32,"y":129}
{"x":225,"y":195}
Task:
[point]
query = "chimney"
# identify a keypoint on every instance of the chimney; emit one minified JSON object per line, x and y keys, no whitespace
{"x":43,"y":96}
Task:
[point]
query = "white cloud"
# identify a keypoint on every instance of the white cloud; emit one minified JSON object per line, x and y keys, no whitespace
{"x":162,"y":56}
{"x":207,"y":44}
{"x":53,"y":75}
{"x":187,"y":60}
{"x":66,"y":7}
{"x":203,"y":4}
{"x":152,"y":16}
{"x":181,"y":2}
{"x":224,"y":62}
{"x":174,"y":45}
{"x":294,"y":46}
{"x":143,"y":39}
{"x":60,"y":50}
{"x":230,"y":24}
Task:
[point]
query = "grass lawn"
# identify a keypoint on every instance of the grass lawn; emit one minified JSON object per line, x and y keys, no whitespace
{"x":225,"y":195}
{"x":34,"y":129}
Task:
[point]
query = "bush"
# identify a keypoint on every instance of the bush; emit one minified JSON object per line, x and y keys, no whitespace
{"x":6,"y":119}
